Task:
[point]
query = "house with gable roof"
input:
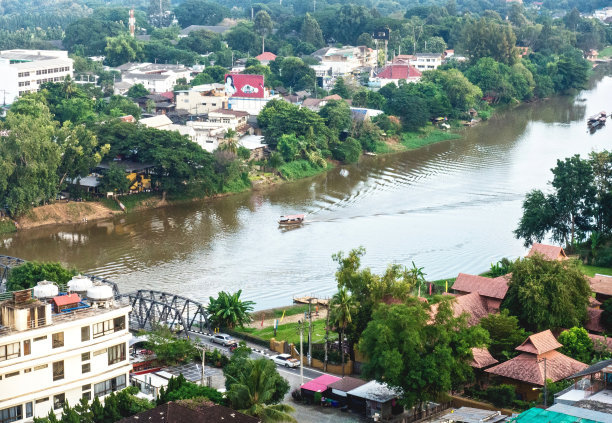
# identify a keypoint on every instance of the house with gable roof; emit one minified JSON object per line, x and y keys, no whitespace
{"x":493,"y":290}
{"x":537,"y":362}
{"x":549,"y":252}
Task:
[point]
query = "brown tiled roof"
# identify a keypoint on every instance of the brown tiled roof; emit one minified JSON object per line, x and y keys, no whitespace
{"x":601,"y":342}
{"x":529,"y":369}
{"x":473,"y":304}
{"x":332,"y":97}
{"x":174,"y":412}
{"x":236,"y":113}
{"x":593,"y":323}
{"x":487,"y":287}
{"x":482,"y":358}
{"x":601,"y":284}
{"x":347,"y":384}
{"x":593,"y":302}
{"x":311,"y":102}
{"x":539,"y":343}
{"x":550,"y":252}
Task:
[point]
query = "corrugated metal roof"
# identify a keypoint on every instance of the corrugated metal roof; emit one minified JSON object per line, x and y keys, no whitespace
{"x":537,"y":415}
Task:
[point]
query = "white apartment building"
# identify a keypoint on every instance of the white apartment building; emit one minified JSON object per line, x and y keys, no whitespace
{"x":426,"y":61}
{"x":23,"y":71}
{"x":60,"y":348}
{"x":157,"y":78}
{"x":346,"y":60}
{"x":202,"y":99}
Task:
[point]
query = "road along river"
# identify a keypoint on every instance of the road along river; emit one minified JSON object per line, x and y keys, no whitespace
{"x":449,"y":207}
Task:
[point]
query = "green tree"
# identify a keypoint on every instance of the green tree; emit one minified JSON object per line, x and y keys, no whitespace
{"x":263,"y":26}
{"x":137,"y":91}
{"x":489,"y":38}
{"x":296,"y":74}
{"x":461,"y":93}
{"x":505,"y":334}
{"x":606,"y":315}
{"x":114,"y":180}
{"x":228,"y":310}
{"x":253,"y":390}
{"x":280,"y":118}
{"x":230,"y":141}
{"x":337,"y":115}
{"x":30,"y":273}
{"x":89,"y":35}
{"x":401,"y":342}
{"x":577,"y":344}
{"x":340,"y":88}
{"x":311,"y":32}
{"x":547,"y":294}
{"x":342,"y":307}
{"x":179,"y":388}
{"x":122,"y":49}
{"x":200,"y":12}
{"x":29,"y":159}
{"x":168,"y":348}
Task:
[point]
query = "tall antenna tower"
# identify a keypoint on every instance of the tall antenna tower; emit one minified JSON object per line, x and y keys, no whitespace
{"x":132,"y":23}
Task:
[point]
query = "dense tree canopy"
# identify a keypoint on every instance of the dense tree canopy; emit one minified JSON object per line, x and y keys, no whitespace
{"x":30,"y":273}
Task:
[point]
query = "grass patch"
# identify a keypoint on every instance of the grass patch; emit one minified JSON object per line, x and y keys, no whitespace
{"x":606,"y":52}
{"x":592,"y":270}
{"x":382,"y":148}
{"x":412,"y":140}
{"x":131,"y":201}
{"x":7,"y":226}
{"x":299,"y":169}
{"x":277,"y":313}
{"x":237,"y":185}
{"x":289,"y":332}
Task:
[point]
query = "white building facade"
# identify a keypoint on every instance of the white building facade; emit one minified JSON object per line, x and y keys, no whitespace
{"x":23,"y":71}
{"x":426,"y":61}
{"x":48,"y":357}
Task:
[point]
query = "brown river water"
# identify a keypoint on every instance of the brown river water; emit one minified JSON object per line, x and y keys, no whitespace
{"x":449,"y":207}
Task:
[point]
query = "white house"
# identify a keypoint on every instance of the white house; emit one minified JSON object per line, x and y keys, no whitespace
{"x":426,"y":61}
{"x":202,"y":99}
{"x":394,"y":73}
{"x":157,"y":78}
{"x":57,"y":348}
{"x":23,"y":71}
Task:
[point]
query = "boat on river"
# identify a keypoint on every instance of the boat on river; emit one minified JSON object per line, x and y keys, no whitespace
{"x":292,"y":219}
{"x":598,"y":119}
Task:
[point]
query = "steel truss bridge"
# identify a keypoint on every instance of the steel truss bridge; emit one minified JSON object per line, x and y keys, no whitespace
{"x":149,"y":307}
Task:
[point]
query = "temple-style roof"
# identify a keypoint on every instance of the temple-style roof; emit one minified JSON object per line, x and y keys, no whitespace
{"x":550,"y":252}
{"x":487,"y":287}
{"x":482,"y":358}
{"x":529,"y":368}
{"x":539,"y":343}
{"x":593,"y":323}
{"x":473,"y":304}
{"x":601,"y":284}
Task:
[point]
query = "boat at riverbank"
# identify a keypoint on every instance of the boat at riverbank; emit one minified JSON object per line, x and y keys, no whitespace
{"x":293,"y":219}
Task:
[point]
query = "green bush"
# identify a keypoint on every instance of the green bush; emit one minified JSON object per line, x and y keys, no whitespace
{"x":299,"y":169}
{"x":501,"y":396}
{"x":29,"y":274}
{"x":7,"y":226}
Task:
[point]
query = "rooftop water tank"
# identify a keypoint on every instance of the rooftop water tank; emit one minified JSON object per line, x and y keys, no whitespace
{"x":100,"y":292}
{"x":80,"y":284}
{"x":45,"y":290}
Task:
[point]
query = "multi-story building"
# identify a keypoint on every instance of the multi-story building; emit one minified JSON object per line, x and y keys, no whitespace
{"x":155,"y":77}
{"x":202,"y":99}
{"x":23,"y":71}
{"x":57,"y":348}
{"x":426,"y":61}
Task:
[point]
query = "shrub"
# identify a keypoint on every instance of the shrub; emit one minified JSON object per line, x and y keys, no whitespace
{"x":501,"y":396}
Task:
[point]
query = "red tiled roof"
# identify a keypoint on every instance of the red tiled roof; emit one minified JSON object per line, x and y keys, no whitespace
{"x":550,"y":252}
{"x":473,"y":304}
{"x":63,"y":300}
{"x":601,"y":342}
{"x":526,"y":368}
{"x":188,"y":411}
{"x":601,"y":284}
{"x":487,"y":287}
{"x":266,"y":56}
{"x":332,"y":97}
{"x":168,"y":94}
{"x":594,"y":303}
{"x":593,"y":323}
{"x":482,"y":358}
{"x":399,"y":71}
{"x":539,"y":343}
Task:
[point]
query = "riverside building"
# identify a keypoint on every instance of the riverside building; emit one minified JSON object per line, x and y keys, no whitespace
{"x":57,"y":347}
{"x":23,"y":71}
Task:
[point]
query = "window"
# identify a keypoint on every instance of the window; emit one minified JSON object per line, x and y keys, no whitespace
{"x":87,"y":395}
{"x":29,"y":409}
{"x":6,"y":376}
{"x":85,"y":333}
{"x":116,"y":354}
{"x":58,"y":339}
{"x":41,"y":400}
{"x":26,"y":347}
{"x":87,"y":387}
{"x":27,"y":370}
{"x":58,"y":370}
{"x":86,"y":368}
{"x":102,"y":328}
{"x":11,"y":414}
{"x":119,"y":323}
{"x":58,"y":401}
{"x":108,"y":386}
{"x":85,"y":356}
{"x":40,"y":338}
{"x":9,"y":351}
{"x":42,"y":366}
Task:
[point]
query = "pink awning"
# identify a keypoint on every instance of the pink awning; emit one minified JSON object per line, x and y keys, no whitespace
{"x":320,"y":384}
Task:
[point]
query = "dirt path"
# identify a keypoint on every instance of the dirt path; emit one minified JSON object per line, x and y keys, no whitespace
{"x":58,"y":213}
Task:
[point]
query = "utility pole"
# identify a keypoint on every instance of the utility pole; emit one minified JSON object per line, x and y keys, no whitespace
{"x":301,"y":327}
{"x":202,"y":349}
{"x":326,"y":338}
{"x":309,"y":333}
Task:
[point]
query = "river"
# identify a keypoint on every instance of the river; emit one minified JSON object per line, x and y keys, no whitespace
{"x":449,"y":207}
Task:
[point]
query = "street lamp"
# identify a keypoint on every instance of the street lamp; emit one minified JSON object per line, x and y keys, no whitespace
{"x":203,"y":350}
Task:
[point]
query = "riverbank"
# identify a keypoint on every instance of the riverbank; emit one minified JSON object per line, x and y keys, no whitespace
{"x":62,"y":213}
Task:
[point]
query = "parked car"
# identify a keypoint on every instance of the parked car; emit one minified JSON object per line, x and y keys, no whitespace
{"x":223,"y":339}
{"x":286,"y":360}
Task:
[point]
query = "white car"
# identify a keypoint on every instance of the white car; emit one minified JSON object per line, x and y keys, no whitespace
{"x":223,"y":339}
{"x":286,"y":360}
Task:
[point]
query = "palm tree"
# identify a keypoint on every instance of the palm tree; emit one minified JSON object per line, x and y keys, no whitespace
{"x":418,"y":276}
{"x":230,"y":141}
{"x":228,"y":310}
{"x":253,"y":391}
{"x":342,"y":308}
